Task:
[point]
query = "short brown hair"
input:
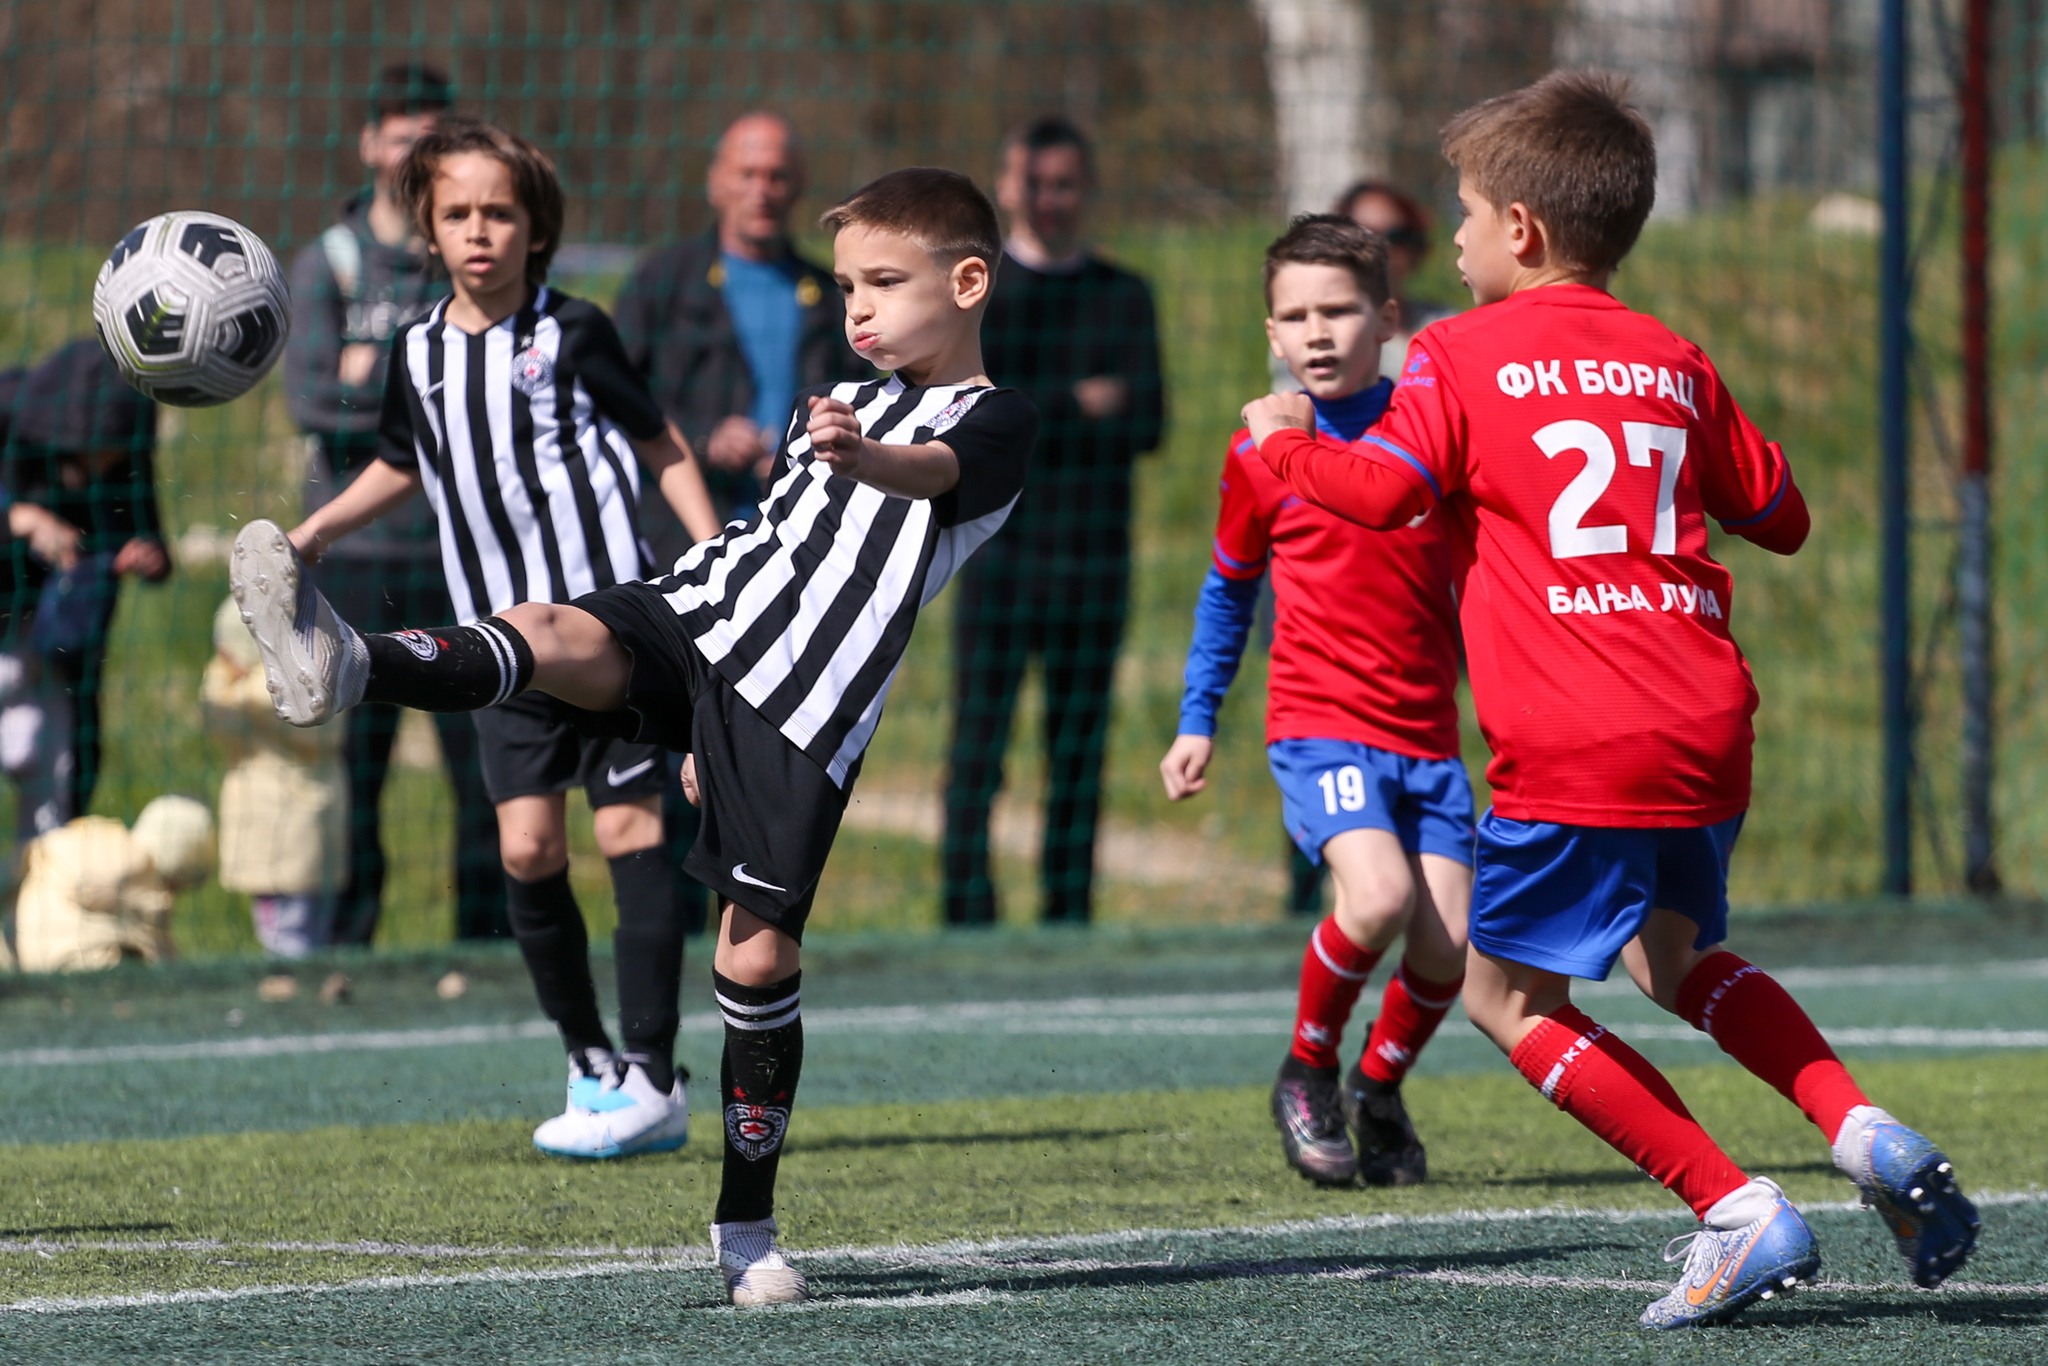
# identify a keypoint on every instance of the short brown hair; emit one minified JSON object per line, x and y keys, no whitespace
{"x":1574,"y":150}
{"x":942,"y":211}
{"x":1048,"y":131}
{"x":534,"y":181}
{"x":1329,"y":239}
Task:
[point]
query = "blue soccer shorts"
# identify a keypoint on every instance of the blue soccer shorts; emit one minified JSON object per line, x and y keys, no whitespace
{"x":1330,"y":786}
{"x":1568,"y":897}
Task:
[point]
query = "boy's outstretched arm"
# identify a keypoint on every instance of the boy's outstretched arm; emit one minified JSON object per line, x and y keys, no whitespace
{"x":381,"y":487}
{"x":927,"y":471}
{"x":1335,"y":478}
{"x":682,"y":482}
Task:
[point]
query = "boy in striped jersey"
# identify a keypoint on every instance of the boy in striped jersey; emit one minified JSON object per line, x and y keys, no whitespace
{"x":515,"y":408}
{"x":767,"y":654}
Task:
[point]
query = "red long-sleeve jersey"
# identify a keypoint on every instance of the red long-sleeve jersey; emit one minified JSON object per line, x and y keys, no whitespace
{"x":1576,"y":449}
{"x":1364,"y":633}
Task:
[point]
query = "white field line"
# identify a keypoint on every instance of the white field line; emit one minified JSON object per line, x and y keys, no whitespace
{"x":1182,"y":1015}
{"x":955,"y":1252}
{"x":1018,"y":1256}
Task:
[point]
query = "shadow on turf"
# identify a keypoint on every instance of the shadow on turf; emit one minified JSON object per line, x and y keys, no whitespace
{"x":846,"y":1142}
{"x":74,"y":1230}
{"x":1061,"y":1273}
{"x":1958,"y":1307}
{"x":1624,"y":1176}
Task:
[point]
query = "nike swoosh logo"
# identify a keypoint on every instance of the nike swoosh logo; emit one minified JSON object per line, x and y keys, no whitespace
{"x":739,"y":870}
{"x":620,"y":777}
{"x":1699,"y":1295}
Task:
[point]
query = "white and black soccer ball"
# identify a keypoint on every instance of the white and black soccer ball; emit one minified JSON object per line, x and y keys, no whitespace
{"x":192,"y":308}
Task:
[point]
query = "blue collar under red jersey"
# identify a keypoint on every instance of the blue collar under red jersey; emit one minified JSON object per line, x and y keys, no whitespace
{"x":1347,"y":418}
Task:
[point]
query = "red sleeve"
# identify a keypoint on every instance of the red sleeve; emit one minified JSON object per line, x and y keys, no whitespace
{"x":1244,"y":514}
{"x":1424,"y":426}
{"x":1359,"y":483}
{"x":1413,"y":457}
{"x":1745,"y":481}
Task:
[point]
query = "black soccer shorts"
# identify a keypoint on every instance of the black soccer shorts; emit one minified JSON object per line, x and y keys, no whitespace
{"x":770,"y":811}
{"x":531,"y":747}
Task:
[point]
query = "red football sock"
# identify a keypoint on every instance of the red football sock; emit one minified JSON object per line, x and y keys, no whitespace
{"x":1410,"y":1010}
{"x":1611,"y":1089}
{"x":1333,"y":972}
{"x":1757,"y":1023}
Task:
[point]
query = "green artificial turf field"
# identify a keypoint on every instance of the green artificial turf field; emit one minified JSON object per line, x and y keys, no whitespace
{"x":1008,"y":1147}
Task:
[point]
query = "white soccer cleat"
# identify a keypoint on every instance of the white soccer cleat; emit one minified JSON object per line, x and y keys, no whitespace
{"x":753,"y":1268}
{"x":1728,"y":1269}
{"x":625,"y":1117}
{"x":315,"y":662}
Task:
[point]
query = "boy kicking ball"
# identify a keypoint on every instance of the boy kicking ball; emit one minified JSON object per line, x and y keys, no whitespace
{"x":1361,"y":719}
{"x":1578,"y":449}
{"x":767,"y":653}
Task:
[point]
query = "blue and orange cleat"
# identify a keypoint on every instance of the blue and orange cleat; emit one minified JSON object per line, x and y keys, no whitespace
{"x":1911,"y":1185}
{"x":1727,"y":1270}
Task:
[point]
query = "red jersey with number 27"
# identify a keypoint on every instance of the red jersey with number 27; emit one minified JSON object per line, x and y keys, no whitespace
{"x":1578,"y":448}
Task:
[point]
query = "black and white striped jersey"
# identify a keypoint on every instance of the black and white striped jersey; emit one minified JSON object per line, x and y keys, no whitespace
{"x":520,"y":435}
{"x":807,"y":608}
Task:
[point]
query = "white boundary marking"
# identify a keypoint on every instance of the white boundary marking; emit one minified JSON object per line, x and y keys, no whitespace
{"x":1022,"y":1256}
{"x":1190,"y":1015}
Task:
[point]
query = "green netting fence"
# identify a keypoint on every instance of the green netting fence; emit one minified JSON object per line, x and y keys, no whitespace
{"x":1212,"y":121}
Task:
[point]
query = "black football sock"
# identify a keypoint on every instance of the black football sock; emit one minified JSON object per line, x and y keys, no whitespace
{"x":449,"y":668}
{"x":648,"y":947}
{"x":549,"y":927}
{"x":764,"y":1055}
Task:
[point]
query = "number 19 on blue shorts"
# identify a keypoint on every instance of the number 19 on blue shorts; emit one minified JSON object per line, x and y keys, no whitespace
{"x":1330,"y":786}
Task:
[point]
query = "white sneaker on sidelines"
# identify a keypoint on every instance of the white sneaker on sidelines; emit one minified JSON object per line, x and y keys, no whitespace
{"x":753,"y":1268}
{"x":626,"y":1117}
{"x":589,"y":1070}
{"x":315,"y":662}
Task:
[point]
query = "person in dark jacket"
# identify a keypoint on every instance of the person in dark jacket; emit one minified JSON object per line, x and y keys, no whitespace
{"x":728,"y":328}
{"x":351,"y":289}
{"x":78,"y":479}
{"x":1077,"y":335}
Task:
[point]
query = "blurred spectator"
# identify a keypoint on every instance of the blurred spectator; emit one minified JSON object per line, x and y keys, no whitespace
{"x":1399,"y":217}
{"x":94,"y":892}
{"x":1077,"y":335}
{"x":283,"y":799}
{"x":728,"y":327}
{"x":365,"y":275}
{"x":77,"y":476}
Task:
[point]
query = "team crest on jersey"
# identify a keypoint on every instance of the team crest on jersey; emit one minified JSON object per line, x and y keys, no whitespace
{"x":532,"y":371}
{"x":754,"y":1131}
{"x":950,"y":415}
{"x":420,"y":643}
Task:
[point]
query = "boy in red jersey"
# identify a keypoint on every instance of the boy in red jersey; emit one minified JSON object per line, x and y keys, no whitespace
{"x":1578,"y":449}
{"x":1361,"y":719}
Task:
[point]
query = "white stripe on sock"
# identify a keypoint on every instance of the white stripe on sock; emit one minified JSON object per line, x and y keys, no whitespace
{"x":1427,"y":1003}
{"x":508,"y":661}
{"x":1315,"y":941}
{"x":732,"y":1007}
{"x":778,"y":1022}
